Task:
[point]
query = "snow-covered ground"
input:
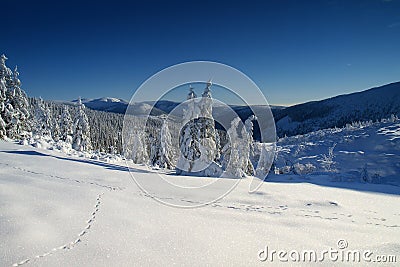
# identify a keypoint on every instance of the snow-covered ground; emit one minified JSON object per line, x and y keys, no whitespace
{"x":361,"y":152}
{"x":60,"y":210}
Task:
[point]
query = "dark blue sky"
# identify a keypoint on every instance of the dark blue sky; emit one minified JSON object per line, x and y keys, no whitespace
{"x":294,"y":50}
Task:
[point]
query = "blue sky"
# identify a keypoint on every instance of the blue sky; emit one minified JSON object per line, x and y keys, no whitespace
{"x":295,"y":51}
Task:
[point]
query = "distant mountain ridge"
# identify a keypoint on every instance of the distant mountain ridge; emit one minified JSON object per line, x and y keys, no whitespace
{"x":371,"y":104}
{"x":108,"y":104}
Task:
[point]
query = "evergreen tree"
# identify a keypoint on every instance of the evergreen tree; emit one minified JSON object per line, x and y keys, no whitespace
{"x":265,"y":162}
{"x":248,"y":144}
{"x":56,"y":130}
{"x":42,"y":119}
{"x":14,"y":111}
{"x":244,"y":152}
{"x":2,"y":108}
{"x":66,"y":125}
{"x":208,"y":134}
{"x":155,"y":149}
{"x":231,"y":154}
{"x":189,"y":138}
{"x":166,"y":151}
{"x":199,"y":140}
{"x":81,"y":137}
{"x":139,"y":150}
{"x":5,"y":72}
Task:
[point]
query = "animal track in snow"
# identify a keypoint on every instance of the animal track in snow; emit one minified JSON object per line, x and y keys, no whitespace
{"x":112,"y":188}
{"x":71,"y":244}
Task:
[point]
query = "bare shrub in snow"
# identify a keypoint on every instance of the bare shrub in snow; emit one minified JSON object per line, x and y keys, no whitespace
{"x":327,"y":161}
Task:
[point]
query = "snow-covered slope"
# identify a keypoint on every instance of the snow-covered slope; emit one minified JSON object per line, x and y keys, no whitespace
{"x":360,"y":152}
{"x":58,"y":210}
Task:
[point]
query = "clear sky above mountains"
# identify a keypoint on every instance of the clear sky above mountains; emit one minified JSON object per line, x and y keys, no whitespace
{"x":294,"y":50}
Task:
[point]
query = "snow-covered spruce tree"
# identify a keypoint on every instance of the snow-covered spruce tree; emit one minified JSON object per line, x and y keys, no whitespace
{"x":231,"y":155}
{"x":5,"y":72}
{"x":42,"y":119}
{"x":189,"y":138}
{"x":139,"y":149}
{"x":15,"y":113}
{"x":81,"y":136}
{"x":264,"y":163}
{"x":248,"y":144}
{"x":166,"y":151}
{"x":217,"y":147}
{"x":208,"y":134}
{"x":2,"y":108}
{"x":155,"y":147}
{"x":66,"y":125}
{"x":56,"y":130}
{"x":236,"y":153}
{"x":20,"y":102}
{"x":244,"y":151}
{"x":189,"y":147}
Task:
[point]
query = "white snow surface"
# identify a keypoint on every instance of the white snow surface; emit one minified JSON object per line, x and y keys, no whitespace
{"x":63,"y":210}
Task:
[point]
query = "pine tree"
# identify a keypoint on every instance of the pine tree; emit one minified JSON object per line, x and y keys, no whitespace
{"x":139,"y":150}
{"x":236,"y":153}
{"x":56,"y":130}
{"x":265,"y":162}
{"x":244,"y":152}
{"x":3,"y":132}
{"x":166,"y":151}
{"x":66,"y":125}
{"x":199,"y":140}
{"x":81,"y":137}
{"x":248,"y":144}
{"x":155,"y":149}
{"x":208,"y":134}
{"x":231,"y":154}
{"x":5,"y":72}
{"x":42,"y":119}
{"x":15,"y":107}
{"x":189,"y":139}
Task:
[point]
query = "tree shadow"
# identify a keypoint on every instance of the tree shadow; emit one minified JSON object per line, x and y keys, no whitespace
{"x":108,"y":166}
{"x":329,"y":181}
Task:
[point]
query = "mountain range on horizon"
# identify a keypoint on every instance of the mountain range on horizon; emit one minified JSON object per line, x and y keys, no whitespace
{"x":371,"y":104}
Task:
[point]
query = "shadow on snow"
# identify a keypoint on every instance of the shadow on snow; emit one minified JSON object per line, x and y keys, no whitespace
{"x":108,"y":166}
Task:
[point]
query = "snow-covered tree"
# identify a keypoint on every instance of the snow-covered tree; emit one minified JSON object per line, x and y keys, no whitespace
{"x":231,"y":155}
{"x":66,"y":125}
{"x":189,"y":147}
{"x":190,"y":133}
{"x":15,"y":108}
{"x":5,"y":72}
{"x":236,"y":153}
{"x":244,"y":151}
{"x":208,"y":134}
{"x":248,"y":144}
{"x":81,"y":136}
{"x":139,"y":149}
{"x":155,"y":148}
{"x":56,"y":130}
{"x":198,"y":140}
{"x":265,"y":162}
{"x":42,"y":119}
{"x":166,"y":151}
{"x":2,"y":108}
